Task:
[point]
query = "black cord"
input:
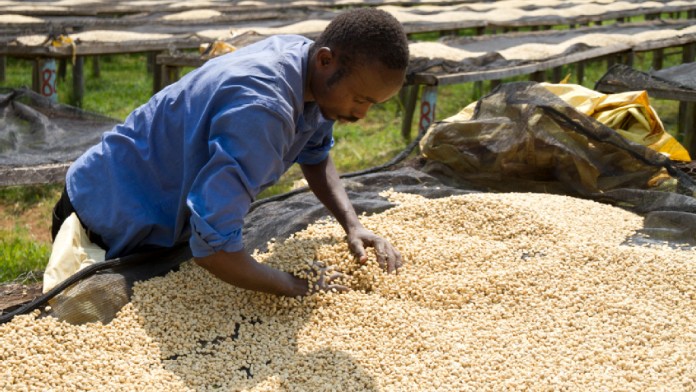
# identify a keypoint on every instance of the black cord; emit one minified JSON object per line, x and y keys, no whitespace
{"x":180,"y":251}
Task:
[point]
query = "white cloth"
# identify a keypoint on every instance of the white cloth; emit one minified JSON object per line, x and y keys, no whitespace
{"x":72,"y":251}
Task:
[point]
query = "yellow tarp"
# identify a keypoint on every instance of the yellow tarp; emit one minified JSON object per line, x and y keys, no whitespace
{"x":628,"y":113}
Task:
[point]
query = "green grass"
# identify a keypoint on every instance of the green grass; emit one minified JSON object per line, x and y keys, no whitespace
{"x":21,"y":259}
{"x":22,"y":256}
{"x":21,"y":198}
{"x":124,"y":84}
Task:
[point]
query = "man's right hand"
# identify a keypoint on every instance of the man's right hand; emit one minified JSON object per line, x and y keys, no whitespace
{"x":241,"y":270}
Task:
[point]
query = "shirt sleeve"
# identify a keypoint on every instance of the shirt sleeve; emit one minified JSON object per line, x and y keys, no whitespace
{"x":318,"y":146}
{"x":245,"y":150}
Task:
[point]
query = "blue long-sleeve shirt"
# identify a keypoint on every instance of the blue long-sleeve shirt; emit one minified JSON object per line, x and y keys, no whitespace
{"x":186,"y":165}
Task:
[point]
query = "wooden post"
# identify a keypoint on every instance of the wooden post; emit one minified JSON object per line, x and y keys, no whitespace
{"x":477,"y":91}
{"x":687,"y":123}
{"x":557,"y":74}
{"x":78,"y":81}
{"x":157,"y":75}
{"x":687,"y":110}
{"x":658,"y":58}
{"x":689,"y":52}
{"x":580,"y":72}
{"x":167,"y":75}
{"x":538,"y":76}
{"x":62,"y":68}
{"x":35,"y":74}
{"x":173,"y":73}
{"x":156,"y":79}
{"x":96,"y":72}
{"x":151,"y":62}
{"x":410,"y":97}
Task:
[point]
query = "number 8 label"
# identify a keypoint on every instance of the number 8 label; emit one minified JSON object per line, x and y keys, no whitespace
{"x":47,"y":81}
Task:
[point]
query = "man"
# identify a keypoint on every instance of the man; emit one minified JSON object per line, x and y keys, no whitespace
{"x":186,"y":165}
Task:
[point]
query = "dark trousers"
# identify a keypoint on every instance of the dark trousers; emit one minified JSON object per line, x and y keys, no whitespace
{"x":62,"y":211}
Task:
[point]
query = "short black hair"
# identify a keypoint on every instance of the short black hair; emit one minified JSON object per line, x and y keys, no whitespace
{"x":363,"y":34}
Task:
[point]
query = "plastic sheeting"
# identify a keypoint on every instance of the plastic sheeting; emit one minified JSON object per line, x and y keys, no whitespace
{"x":677,"y":81}
{"x":523,"y":138}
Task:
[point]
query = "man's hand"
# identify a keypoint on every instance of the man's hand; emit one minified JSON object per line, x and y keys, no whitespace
{"x":387,"y":256}
{"x":324,"y":181}
{"x":323,"y":278}
{"x":241,"y":270}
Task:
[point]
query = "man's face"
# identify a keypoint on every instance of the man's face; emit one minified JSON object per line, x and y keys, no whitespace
{"x":347,"y":97}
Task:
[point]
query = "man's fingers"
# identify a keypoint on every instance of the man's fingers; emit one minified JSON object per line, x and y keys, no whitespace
{"x":334,"y":276}
{"x":381,"y":254}
{"x":358,"y":249}
{"x":327,"y":275}
{"x":397,"y":260}
{"x":338,"y":287}
{"x":388,"y":257}
{"x":319,"y":265}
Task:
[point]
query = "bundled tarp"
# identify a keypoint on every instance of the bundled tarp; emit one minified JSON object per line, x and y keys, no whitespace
{"x":524,"y":138}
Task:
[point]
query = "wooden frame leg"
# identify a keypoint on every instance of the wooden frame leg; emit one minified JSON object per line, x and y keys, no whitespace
{"x":410,"y":97}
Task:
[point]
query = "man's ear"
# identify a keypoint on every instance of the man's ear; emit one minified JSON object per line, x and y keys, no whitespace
{"x":324,"y":56}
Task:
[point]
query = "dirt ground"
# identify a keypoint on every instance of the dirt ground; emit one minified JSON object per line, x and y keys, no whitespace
{"x":13,"y":295}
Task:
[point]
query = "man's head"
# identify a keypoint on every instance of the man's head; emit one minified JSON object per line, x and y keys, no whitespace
{"x":360,"y":59}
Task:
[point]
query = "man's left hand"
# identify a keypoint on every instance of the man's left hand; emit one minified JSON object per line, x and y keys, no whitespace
{"x":387,"y":256}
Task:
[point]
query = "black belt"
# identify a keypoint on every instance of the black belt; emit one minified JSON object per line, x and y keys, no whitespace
{"x":62,"y":211}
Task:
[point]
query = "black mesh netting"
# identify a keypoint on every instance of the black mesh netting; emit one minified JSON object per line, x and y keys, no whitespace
{"x":522,"y":138}
{"x":35,"y":130}
{"x":675,"y":79}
